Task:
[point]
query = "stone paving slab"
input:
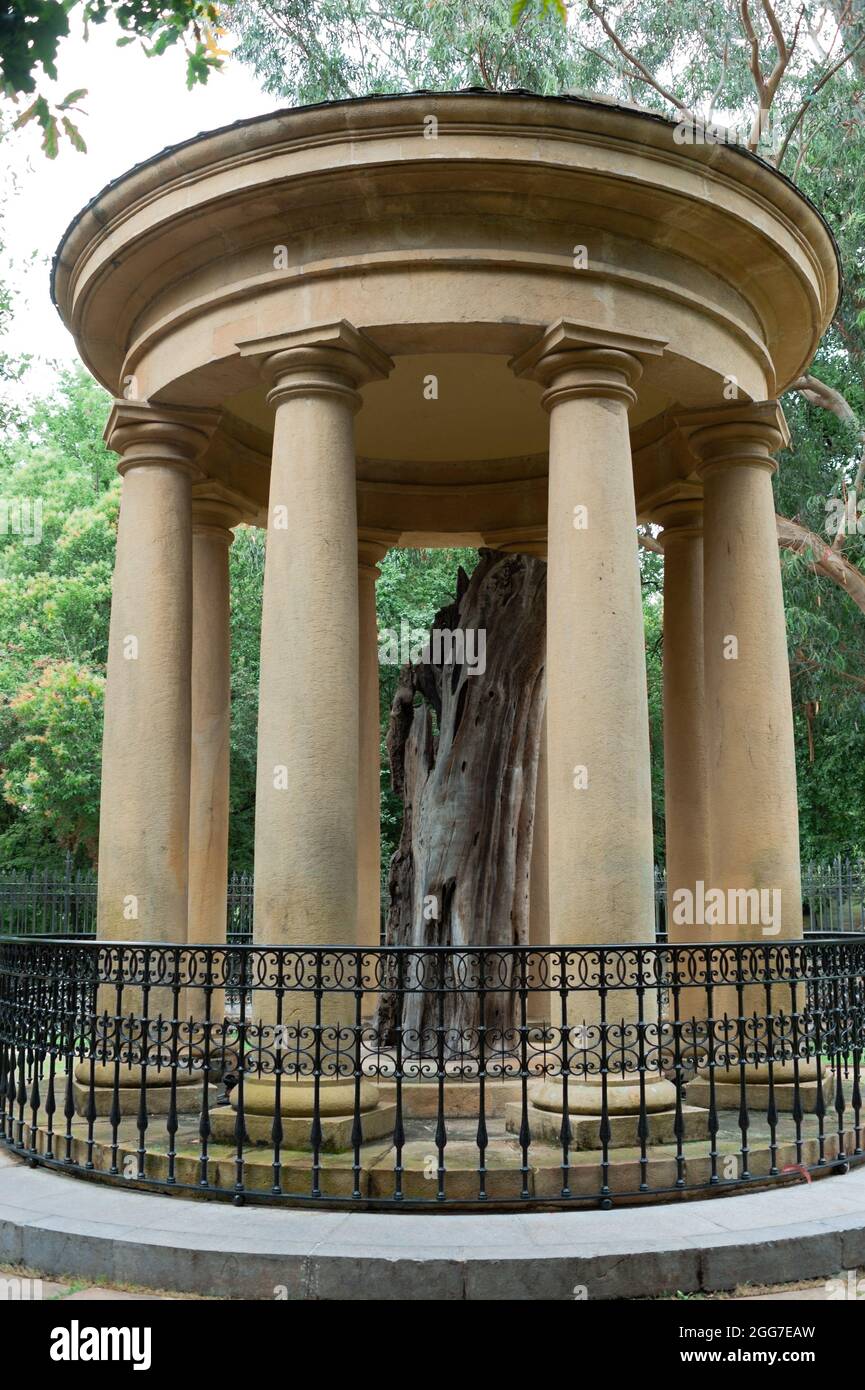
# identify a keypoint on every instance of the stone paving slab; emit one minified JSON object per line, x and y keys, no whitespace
{"x":73,"y":1228}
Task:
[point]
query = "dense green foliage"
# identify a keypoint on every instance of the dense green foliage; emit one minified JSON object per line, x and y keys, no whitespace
{"x":677,"y":57}
{"x":54,"y":607}
{"x":317,"y":50}
{"x":825,"y":633}
{"x":246,"y":562}
{"x":31,"y":32}
{"x":60,"y":500}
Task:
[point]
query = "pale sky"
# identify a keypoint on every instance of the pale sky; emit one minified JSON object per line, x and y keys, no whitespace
{"x":135,"y":106}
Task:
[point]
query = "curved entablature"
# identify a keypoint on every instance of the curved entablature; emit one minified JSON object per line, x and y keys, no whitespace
{"x":455,"y":223}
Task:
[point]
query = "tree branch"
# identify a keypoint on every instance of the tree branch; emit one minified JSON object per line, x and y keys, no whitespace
{"x":635,"y":62}
{"x":822,"y":559}
{"x":818,"y":87}
{"x":819,"y":393}
{"x":649,"y":543}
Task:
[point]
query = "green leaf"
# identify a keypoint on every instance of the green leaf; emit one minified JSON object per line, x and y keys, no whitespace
{"x":50,"y":137}
{"x":26,"y":116}
{"x":167,"y":37}
{"x":75,"y":135}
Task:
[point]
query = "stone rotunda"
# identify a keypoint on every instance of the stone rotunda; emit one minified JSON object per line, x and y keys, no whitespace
{"x":609,"y":315}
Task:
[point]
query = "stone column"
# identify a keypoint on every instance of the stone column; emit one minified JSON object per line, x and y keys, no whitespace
{"x":144,"y":810}
{"x":306,"y":863}
{"x":214,"y":513}
{"x":751,"y":758}
{"x":307,"y":784}
{"x":212,"y":520}
{"x":601,"y":873}
{"x":539,"y":872}
{"x":600,"y":805}
{"x":686,"y":797}
{"x":144,"y":817}
{"x":371,"y":550}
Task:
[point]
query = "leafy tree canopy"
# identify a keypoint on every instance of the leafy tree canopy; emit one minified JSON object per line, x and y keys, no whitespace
{"x":31,"y":32}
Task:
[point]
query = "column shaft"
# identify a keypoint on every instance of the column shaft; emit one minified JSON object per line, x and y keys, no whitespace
{"x":211,"y":728}
{"x":751,"y":757}
{"x":686,"y":800}
{"x":752,"y":768}
{"x":369,"y":746}
{"x":306,"y":866}
{"x":600,"y":805}
{"x":539,"y":872}
{"x":306,"y":799}
{"x":144,"y":809}
{"x":144,"y":815}
{"x":601,"y":879}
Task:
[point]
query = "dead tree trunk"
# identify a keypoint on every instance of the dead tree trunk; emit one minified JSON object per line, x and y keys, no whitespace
{"x":464,"y":758}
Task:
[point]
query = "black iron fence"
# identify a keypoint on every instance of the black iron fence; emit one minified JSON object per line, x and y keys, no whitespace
{"x":403,"y":1078}
{"x":239,"y":910}
{"x":833,"y":897}
{"x":62,"y":902}
{"x":51,"y":902}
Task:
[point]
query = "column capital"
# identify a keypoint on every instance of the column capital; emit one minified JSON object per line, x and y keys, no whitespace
{"x":680,"y":515}
{"x":174,"y":436}
{"x":735,"y":434}
{"x":332,"y":359}
{"x":372,"y":546}
{"x":519,"y":540}
{"x":571,"y":360}
{"x":216,"y":509}
{"x":682,"y":520}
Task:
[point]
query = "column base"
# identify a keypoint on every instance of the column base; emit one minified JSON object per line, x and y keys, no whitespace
{"x":728,"y":1090}
{"x":585,"y":1112}
{"x":545,"y":1127}
{"x":188,"y":1093}
{"x":623,"y":1095}
{"x":336,"y":1114}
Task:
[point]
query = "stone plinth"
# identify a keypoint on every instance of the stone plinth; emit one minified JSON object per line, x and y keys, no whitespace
{"x":545,"y":1127}
{"x":297,"y":1107}
{"x":758,"y":1095}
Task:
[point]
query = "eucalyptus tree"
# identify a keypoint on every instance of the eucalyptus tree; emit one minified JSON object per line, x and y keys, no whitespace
{"x":784,"y":78}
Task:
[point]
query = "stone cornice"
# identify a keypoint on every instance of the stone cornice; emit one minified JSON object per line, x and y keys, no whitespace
{"x":373,"y":543}
{"x":567,"y":336}
{"x":326,"y":359}
{"x":143,"y":433}
{"x":736,"y":433}
{"x":216,"y":507}
{"x":187,"y":232}
{"x":573,"y":359}
{"x":376,"y":118}
{"x":519,"y":540}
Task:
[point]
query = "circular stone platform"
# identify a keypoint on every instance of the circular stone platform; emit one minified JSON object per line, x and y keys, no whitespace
{"x":69,"y":1227}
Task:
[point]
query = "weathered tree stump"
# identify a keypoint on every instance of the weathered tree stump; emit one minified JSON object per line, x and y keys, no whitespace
{"x":464,"y":758}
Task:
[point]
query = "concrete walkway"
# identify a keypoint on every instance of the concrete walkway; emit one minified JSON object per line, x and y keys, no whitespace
{"x":66,"y":1227}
